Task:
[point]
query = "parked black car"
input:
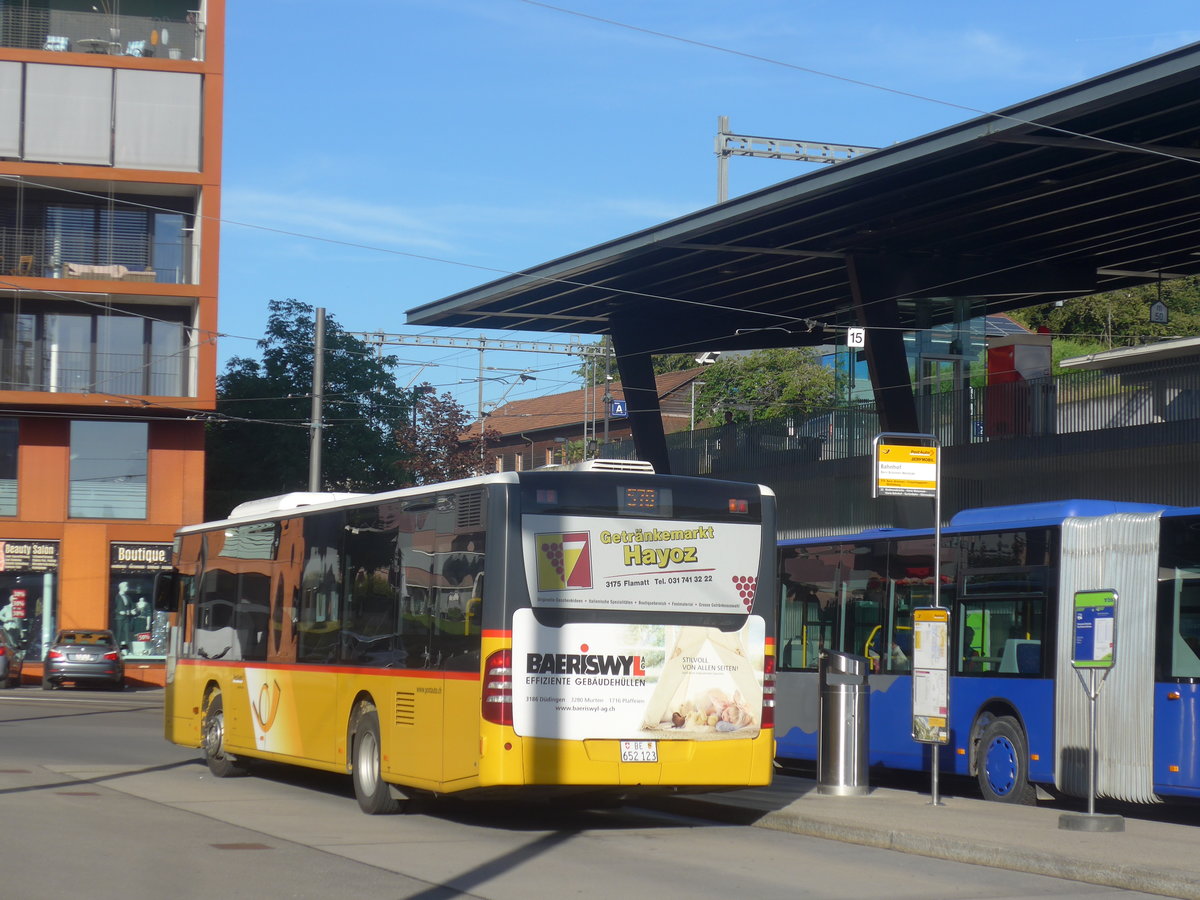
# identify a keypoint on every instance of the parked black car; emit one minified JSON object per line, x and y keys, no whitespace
{"x":82,"y":656}
{"x":10,"y":661}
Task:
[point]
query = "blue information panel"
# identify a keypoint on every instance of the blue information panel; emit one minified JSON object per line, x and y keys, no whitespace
{"x":617,"y":409}
{"x":1095,"y":636}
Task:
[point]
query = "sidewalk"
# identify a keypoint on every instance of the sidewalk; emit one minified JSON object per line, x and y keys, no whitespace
{"x":1153,"y":857}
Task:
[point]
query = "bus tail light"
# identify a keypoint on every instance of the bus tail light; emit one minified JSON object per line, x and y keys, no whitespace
{"x":768,"y":712}
{"x":497,"y":688}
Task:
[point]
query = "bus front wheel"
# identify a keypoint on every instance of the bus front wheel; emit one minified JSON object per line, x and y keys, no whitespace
{"x":1003,"y":763}
{"x":220,"y":762}
{"x":372,"y":792}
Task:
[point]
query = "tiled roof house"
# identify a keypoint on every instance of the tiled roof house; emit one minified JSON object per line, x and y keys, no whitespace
{"x":534,"y":432}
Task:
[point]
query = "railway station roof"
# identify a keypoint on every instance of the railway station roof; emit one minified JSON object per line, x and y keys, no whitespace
{"x":1086,"y":189}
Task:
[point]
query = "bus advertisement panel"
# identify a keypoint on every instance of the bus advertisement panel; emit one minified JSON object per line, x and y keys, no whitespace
{"x":624,"y":681}
{"x":641,"y":565}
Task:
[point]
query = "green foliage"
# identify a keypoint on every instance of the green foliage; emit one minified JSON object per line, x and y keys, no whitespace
{"x":259,"y":444}
{"x":429,"y":442}
{"x":1120,"y":318}
{"x":673,"y":362}
{"x":765,"y":384}
{"x":1066,"y":348}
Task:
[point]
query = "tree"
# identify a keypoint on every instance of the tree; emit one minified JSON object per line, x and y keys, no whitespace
{"x":766,"y":384}
{"x":430,"y":445}
{"x":259,"y":440}
{"x":1117,"y":318}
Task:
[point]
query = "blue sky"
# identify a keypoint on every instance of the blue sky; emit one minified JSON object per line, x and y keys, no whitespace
{"x":382,"y":154}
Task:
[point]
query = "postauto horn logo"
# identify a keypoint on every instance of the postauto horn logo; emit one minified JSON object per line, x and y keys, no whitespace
{"x":564,"y":560}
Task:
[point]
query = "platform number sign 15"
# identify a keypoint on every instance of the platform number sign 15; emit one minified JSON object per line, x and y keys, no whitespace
{"x":856,"y":338}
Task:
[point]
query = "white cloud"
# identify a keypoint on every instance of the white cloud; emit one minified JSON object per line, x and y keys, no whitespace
{"x":452,"y":230}
{"x":334,"y":218}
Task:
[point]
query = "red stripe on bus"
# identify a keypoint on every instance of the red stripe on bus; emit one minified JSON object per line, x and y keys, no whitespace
{"x":336,"y":670}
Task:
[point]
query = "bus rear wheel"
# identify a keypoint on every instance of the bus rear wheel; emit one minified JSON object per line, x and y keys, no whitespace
{"x":370,"y":790}
{"x":1002,"y":763}
{"x":220,"y":762}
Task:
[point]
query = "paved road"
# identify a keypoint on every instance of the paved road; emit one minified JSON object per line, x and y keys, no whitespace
{"x":96,"y":804}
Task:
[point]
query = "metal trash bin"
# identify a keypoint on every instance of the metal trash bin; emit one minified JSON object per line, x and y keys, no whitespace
{"x":842,"y":742}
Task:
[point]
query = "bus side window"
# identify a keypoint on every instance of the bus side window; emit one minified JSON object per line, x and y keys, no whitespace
{"x":864,"y":622}
{"x":808,"y":613}
{"x":805,"y":629}
{"x":1001,"y":637}
{"x":1183,"y":626}
{"x":900,"y":630}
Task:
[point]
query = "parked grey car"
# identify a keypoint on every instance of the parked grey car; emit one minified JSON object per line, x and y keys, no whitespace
{"x":10,"y":661}
{"x":83,"y":656}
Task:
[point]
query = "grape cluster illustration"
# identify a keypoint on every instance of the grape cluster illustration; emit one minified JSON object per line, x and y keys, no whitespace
{"x":554,"y":555}
{"x":746,"y":586}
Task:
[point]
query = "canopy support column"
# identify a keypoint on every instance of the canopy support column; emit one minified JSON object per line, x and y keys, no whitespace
{"x":641,"y":390}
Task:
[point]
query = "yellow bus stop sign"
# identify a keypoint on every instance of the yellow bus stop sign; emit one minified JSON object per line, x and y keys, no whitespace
{"x":906,"y":471}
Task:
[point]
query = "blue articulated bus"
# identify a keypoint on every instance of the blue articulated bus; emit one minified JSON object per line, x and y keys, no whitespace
{"x":1018,"y":713}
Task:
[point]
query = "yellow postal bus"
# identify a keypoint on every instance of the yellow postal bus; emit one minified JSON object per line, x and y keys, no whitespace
{"x":563,"y":629}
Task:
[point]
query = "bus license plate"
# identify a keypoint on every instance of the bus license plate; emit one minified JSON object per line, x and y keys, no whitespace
{"x":639,"y":751}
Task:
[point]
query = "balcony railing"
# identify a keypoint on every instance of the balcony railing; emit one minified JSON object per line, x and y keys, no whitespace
{"x":83,"y":372}
{"x":35,"y":253}
{"x":98,"y":32}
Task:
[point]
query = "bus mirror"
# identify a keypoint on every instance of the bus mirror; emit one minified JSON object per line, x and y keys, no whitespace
{"x":166,"y":590}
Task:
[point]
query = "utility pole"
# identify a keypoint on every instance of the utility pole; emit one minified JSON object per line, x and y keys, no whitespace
{"x":773,"y":148}
{"x":318,"y":389}
{"x":607,"y":397}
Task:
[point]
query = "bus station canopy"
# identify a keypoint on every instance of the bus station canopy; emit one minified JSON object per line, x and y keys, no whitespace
{"x":1090,"y":188}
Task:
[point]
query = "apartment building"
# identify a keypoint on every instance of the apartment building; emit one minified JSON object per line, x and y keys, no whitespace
{"x":110,"y":175}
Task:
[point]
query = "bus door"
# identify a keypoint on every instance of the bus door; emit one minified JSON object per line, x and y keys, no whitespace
{"x":459,"y":634}
{"x":390,"y":578}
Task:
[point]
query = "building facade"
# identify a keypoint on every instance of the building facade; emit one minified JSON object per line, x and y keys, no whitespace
{"x":110,"y":175}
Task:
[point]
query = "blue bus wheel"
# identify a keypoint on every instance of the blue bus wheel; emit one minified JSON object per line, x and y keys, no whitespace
{"x":1003,"y":763}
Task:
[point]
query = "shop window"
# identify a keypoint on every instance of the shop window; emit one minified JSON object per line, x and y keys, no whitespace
{"x":28,"y":592}
{"x":141,"y":632}
{"x":108,"y":470}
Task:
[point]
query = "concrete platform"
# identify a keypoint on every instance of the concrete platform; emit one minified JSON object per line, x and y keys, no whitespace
{"x":1151,"y":856}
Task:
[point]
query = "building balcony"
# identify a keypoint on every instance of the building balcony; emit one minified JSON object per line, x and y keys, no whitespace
{"x":119,"y":374}
{"x":178,"y":33}
{"x":133,"y":258}
{"x":134,"y":349}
